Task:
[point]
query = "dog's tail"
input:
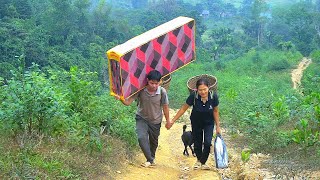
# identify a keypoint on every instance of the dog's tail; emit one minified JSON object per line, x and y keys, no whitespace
{"x":184,"y":128}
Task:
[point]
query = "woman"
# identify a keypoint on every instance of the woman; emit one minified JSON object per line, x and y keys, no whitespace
{"x":204,"y":115}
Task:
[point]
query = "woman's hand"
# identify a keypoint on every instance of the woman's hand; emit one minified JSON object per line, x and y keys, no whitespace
{"x":169,"y":124}
{"x":218,"y":130}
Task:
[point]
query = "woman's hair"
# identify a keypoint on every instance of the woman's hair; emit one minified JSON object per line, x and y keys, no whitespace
{"x":202,"y":82}
{"x":154,"y":75}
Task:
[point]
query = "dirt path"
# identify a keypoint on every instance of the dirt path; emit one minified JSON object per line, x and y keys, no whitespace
{"x":296,"y":74}
{"x":171,"y":164}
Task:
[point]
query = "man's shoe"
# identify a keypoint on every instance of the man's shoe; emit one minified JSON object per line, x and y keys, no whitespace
{"x":146,"y":164}
{"x":153,"y":163}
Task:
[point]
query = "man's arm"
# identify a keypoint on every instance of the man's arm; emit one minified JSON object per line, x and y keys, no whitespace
{"x":126,"y":102}
{"x":165,"y":109}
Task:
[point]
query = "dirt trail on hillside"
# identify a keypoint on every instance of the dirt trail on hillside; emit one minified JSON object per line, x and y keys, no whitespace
{"x":170,"y":162}
{"x":173,"y":165}
{"x":297,"y":73}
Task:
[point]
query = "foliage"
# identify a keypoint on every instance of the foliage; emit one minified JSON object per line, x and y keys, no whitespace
{"x":311,"y":77}
{"x":315,"y":55}
{"x":52,"y":64}
{"x":293,"y":23}
{"x":88,"y":107}
{"x":36,"y":106}
{"x":303,"y":134}
{"x":221,"y":38}
{"x":63,"y":103}
{"x":31,"y":103}
{"x":254,"y":26}
{"x":307,"y":131}
{"x":280,"y":109}
{"x":203,"y":55}
{"x":125,"y":130}
{"x":245,"y":155}
{"x":286,"y":46}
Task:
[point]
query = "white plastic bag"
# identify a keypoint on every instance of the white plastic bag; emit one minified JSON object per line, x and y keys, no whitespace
{"x":220,"y":153}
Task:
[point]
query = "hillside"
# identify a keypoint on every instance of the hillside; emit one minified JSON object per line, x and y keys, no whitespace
{"x":58,"y":120}
{"x":169,"y":157}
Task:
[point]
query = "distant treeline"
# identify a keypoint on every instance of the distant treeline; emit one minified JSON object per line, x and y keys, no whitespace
{"x":60,"y":34}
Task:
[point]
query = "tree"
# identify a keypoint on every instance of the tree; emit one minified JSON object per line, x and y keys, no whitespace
{"x":15,"y":8}
{"x":285,"y":46}
{"x":23,"y":8}
{"x":59,"y":21}
{"x":81,"y":10}
{"x":36,"y":45}
{"x":254,"y":26}
{"x":139,"y":3}
{"x":101,"y":21}
{"x":221,"y":39}
{"x":300,"y":22}
{"x":11,"y":37}
{"x":245,"y":8}
{"x":278,"y":28}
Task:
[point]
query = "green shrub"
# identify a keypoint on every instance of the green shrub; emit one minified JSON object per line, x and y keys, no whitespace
{"x":278,"y":65}
{"x":303,"y":134}
{"x":5,"y":69}
{"x":124,"y":128}
{"x":280,"y":109}
{"x":245,"y":155}
{"x":203,"y":55}
{"x":315,"y":56}
{"x":31,"y":104}
{"x":311,"y":79}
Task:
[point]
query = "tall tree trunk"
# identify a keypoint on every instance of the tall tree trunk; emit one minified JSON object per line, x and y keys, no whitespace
{"x":259,"y":31}
{"x":317,"y":28}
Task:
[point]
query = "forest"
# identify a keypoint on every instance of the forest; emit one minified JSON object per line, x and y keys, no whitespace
{"x":54,"y":84}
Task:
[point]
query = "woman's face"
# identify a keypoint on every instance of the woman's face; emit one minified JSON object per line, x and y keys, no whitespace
{"x":203,"y":90}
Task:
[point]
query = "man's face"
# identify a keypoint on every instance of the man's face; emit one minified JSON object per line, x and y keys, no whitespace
{"x":153,"y":85}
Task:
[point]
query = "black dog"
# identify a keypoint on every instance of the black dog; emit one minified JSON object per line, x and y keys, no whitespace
{"x":187,"y":141}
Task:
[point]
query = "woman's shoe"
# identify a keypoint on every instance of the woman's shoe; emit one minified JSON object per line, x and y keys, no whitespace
{"x":197,"y":165}
{"x":205,"y":167}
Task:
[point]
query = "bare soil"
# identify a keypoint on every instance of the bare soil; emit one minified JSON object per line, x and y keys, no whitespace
{"x":296,"y":74}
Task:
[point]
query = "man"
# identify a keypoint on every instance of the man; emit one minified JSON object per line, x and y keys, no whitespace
{"x":152,"y":101}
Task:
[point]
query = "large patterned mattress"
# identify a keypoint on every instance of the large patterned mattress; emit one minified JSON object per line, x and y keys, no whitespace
{"x":165,"y":48}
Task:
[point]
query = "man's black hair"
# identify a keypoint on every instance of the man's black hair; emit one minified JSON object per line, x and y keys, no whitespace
{"x":154,"y":75}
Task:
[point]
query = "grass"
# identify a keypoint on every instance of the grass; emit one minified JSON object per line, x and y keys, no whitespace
{"x":60,"y":159}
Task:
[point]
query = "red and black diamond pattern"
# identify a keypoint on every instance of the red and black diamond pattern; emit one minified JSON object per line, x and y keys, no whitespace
{"x":166,"y":54}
